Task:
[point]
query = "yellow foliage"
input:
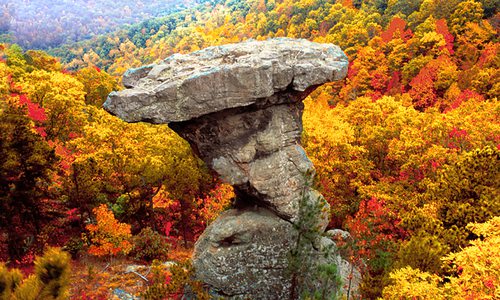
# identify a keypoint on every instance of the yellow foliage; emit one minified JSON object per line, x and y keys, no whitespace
{"x":49,"y":282}
{"x":477,"y":270}
{"x":61,"y":96}
{"x":4,"y":79}
{"x":478,"y":265}
{"x":409,"y":283}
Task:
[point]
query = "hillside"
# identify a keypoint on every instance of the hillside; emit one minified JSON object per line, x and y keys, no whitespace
{"x":44,"y":24}
{"x":406,"y":148}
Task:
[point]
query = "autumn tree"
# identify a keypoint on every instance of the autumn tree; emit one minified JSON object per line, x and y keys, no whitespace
{"x":62,"y":98}
{"x":467,"y":192}
{"x":468,"y":11}
{"x":475,"y":271}
{"x":97,"y":84}
{"x":50,"y":279}
{"x":127,"y":165}
{"x":40,"y":60}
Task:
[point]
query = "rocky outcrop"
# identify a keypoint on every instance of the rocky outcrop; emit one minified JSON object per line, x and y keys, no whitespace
{"x":244,"y":252}
{"x":240,"y":107}
{"x":183,"y":87}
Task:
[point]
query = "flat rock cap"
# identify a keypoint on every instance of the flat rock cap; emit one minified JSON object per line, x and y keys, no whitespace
{"x":183,"y":87}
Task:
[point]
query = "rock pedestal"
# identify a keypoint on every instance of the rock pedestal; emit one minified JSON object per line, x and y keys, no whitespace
{"x":240,"y":108}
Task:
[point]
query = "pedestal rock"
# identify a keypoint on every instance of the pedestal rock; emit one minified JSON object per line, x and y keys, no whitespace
{"x":240,"y":108}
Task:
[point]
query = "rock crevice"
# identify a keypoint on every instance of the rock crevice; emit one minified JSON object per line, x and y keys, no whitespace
{"x":240,"y":108}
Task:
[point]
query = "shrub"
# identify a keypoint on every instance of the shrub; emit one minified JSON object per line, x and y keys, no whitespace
{"x":9,"y":281}
{"x":49,"y":282}
{"x":73,"y":246}
{"x":149,"y":245}
{"x":174,"y":283}
{"x":108,"y":236}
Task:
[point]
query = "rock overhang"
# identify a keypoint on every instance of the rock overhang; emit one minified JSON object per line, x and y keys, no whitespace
{"x":187,"y":86}
{"x":239,"y":106}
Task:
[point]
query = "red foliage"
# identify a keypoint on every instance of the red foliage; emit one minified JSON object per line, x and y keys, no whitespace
{"x":464,"y":96}
{"x":351,"y":71}
{"x":412,"y":175}
{"x":379,"y":80}
{"x":435,"y":164}
{"x":394,"y":85}
{"x":35,"y":112}
{"x":458,"y":139}
{"x":72,"y":215}
{"x":442,"y":29}
{"x":457,"y":133}
{"x":67,"y":157}
{"x":15,"y":89}
{"x":167,"y":228}
{"x":488,"y":55}
{"x":41,"y":131}
{"x":422,"y":90}
{"x":373,"y":228}
{"x":375,"y":95}
{"x":396,"y":29}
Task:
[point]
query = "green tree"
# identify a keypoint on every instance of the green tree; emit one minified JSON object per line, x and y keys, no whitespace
{"x":27,"y":164}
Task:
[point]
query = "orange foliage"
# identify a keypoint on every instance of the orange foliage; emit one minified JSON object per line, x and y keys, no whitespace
{"x":396,"y":29}
{"x":108,"y":236}
{"x":215,"y":202}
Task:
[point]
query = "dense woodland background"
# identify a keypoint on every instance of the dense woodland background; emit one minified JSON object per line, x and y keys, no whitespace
{"x":42,"y":24}
{"x":407,"y":147}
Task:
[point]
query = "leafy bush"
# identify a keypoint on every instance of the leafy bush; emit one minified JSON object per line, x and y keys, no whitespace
{"x":108,"y":236}
{"x":149,"y":245}
{"x":174,"y":283}
{"x":9,"y":281}
{"x":73,"y":246}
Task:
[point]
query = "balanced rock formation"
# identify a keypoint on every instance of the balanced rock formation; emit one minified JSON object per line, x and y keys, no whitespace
{"x":240,"y":108}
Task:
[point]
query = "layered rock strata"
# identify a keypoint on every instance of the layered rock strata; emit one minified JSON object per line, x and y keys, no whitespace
{"x":240,"y":108}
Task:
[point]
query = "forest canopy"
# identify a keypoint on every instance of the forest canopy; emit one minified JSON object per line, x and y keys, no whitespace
{"x":406,"y":148}
{"x":43,"y":24}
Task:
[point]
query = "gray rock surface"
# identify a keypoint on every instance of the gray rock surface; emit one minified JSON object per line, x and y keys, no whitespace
{"x":244,"y":253}
{"x":339,"y":235}
{"x":183,"y":87}
{"x":258,"y":152}
{"x":240,"y":108}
